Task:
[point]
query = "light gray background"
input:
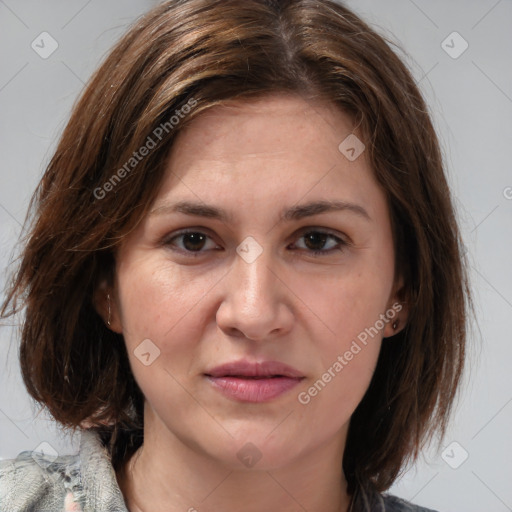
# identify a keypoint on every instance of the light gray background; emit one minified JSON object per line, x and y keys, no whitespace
{"x":470,"y":98}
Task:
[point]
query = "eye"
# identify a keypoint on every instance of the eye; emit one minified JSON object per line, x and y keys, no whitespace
{"x":191,"y":242}
{"x":316,"y":241}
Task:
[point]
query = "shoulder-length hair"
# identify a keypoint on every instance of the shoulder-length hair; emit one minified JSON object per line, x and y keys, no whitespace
{"x":177,"y":61}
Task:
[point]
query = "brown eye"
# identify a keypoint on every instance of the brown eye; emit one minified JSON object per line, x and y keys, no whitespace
{"x":321,"y":242}
{"x":191,"y":242}
{"x":315,"y":240}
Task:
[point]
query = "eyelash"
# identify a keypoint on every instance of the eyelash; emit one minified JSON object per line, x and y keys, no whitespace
{"x":195,"y":254}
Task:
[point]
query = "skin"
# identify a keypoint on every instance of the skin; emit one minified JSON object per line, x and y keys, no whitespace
{"x":289,"y":305}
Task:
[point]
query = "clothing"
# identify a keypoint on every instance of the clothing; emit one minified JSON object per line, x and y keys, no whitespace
{"x":85,"y":482}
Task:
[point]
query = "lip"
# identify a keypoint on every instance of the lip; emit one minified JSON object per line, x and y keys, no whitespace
{"x":245,"y":368}
{"x":254,"y":382}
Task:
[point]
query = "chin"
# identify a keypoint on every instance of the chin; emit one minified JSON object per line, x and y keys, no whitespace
{"x":260,"y":450}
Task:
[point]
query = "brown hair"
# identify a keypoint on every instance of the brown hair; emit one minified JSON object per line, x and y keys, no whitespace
{"x":204,"y":52}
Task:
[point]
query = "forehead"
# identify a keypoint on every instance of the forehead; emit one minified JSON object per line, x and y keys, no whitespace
{"x":271,"y":125}
{"x":265,"y":154}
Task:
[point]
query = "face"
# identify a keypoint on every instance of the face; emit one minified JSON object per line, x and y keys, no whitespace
{"x":255,"y":268}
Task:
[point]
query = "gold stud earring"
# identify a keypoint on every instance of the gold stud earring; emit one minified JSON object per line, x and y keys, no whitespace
{"x":108,"y":300}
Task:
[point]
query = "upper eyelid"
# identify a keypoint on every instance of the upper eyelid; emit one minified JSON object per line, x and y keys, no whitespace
{"x":184,"y":231}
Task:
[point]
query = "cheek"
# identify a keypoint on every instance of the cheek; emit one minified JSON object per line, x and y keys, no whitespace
{"x":349,"y":308}
{"x":170,"y":306}
{"x":156,"y":299}
{"x":348,"y":341}
{"x":158,"y":305}
{"x":335,"y":404}
{"x":330,"y":398}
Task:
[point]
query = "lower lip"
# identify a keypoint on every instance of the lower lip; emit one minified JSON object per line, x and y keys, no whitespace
{"x":253,"y":390}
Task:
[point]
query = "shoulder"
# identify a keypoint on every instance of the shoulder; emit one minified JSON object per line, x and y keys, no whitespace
{"x":394,"y":504}
{"x":35,"y":481}
{"x":369,"y":499}
{"x":72,"y":483}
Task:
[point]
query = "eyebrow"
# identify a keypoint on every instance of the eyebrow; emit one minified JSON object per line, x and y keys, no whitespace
{"x":292,"y":213}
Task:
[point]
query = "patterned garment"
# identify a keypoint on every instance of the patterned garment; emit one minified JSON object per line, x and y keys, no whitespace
{"x":86,"y":482}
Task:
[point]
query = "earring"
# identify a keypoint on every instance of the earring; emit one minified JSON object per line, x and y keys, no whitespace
{"x":395,"y":325}
{"x":108,"y":299}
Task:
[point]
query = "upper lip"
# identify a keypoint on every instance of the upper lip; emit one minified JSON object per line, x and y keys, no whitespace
{"x":244,"y":368}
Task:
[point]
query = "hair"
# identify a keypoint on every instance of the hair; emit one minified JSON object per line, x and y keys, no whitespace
{"x":205,"y":53}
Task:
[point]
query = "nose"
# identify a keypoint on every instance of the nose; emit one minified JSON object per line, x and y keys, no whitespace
{"x":256,"y":303}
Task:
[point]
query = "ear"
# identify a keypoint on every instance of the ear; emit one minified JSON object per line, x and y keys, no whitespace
{"x":397,"y":310}
{"x":106,"y":305}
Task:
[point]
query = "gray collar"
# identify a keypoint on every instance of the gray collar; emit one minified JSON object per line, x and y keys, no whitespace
{"x":100,"y":488}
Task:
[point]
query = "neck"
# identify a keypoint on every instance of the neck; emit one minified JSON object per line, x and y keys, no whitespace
{"x":167,"y":475}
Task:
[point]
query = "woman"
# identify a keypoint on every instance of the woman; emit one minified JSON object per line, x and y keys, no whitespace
{"x":244,"y":281}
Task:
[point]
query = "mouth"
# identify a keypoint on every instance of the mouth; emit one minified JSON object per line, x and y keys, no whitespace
{"x":248,"y":377}
{"x":247,"y":369}
{"x":246,"y":381}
